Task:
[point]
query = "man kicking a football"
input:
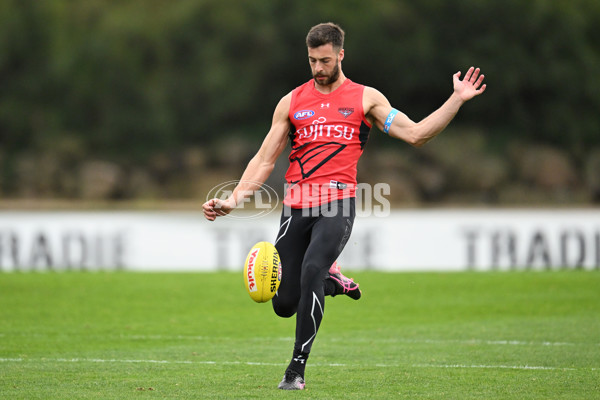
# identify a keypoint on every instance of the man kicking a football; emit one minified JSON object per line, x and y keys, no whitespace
{"x":328,"y":120}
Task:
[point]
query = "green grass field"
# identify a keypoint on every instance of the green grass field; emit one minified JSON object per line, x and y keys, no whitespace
{"x":527,"y":335}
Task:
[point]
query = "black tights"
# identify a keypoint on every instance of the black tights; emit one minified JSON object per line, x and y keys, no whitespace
{"x":308,"y":242}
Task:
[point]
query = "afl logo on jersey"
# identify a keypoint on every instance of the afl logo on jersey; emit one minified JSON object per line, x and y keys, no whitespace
{"x":300,"y":115}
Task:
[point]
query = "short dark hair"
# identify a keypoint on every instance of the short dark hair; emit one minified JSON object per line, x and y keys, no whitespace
{"x":325,"y":33}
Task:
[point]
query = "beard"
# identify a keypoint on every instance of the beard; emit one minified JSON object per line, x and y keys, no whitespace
{"x":335,"y":74}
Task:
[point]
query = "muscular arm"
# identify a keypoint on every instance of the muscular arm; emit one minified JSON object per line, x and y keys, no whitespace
{"x":377,"y":109}
{"x":260,"y":166}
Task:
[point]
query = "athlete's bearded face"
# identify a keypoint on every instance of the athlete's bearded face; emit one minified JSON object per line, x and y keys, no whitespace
{"x":325,"y":64}
{"x":325,"y":79}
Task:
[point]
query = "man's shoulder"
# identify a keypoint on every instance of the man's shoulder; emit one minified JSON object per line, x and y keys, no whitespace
{"x":283,"y":107}
{"x":370,"y":91}
{"x":372,"y":96}
{"x":303,"y":87}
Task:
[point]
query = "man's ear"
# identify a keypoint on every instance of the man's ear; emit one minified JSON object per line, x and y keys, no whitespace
{"x":341,"y":54}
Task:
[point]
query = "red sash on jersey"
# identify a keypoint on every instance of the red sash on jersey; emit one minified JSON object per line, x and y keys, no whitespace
{"x":330,"y":133}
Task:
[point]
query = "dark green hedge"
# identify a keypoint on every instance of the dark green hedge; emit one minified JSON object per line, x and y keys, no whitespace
{"x":124,"y":80}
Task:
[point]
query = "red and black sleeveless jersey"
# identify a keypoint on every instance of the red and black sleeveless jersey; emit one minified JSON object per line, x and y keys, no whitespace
{"x":329,"y":133}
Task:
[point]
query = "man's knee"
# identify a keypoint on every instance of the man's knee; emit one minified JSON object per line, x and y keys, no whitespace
{"x":313,"y":274}
{"x":284,"y":309}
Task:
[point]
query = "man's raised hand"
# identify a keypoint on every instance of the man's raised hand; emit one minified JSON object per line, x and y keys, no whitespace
{"x":470,"y":86}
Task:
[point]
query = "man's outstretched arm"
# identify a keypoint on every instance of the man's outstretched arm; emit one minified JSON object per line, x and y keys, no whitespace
{"x":398,"y":125}
{"x":260,"y":166}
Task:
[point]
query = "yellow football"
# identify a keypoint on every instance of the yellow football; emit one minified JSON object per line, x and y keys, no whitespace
{"x":262,"y":272}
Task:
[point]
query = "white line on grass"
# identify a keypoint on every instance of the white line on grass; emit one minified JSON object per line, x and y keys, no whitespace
{"x":475,"y":366}
{"x":129,"y":361}
{"x":463,"y":341}
{"x":355,"y":340}
{"x":378,"y":365}
{"x":370,"y":340}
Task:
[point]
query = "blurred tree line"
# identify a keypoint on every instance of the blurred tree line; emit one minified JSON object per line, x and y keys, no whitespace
{"x":149,"y":98}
